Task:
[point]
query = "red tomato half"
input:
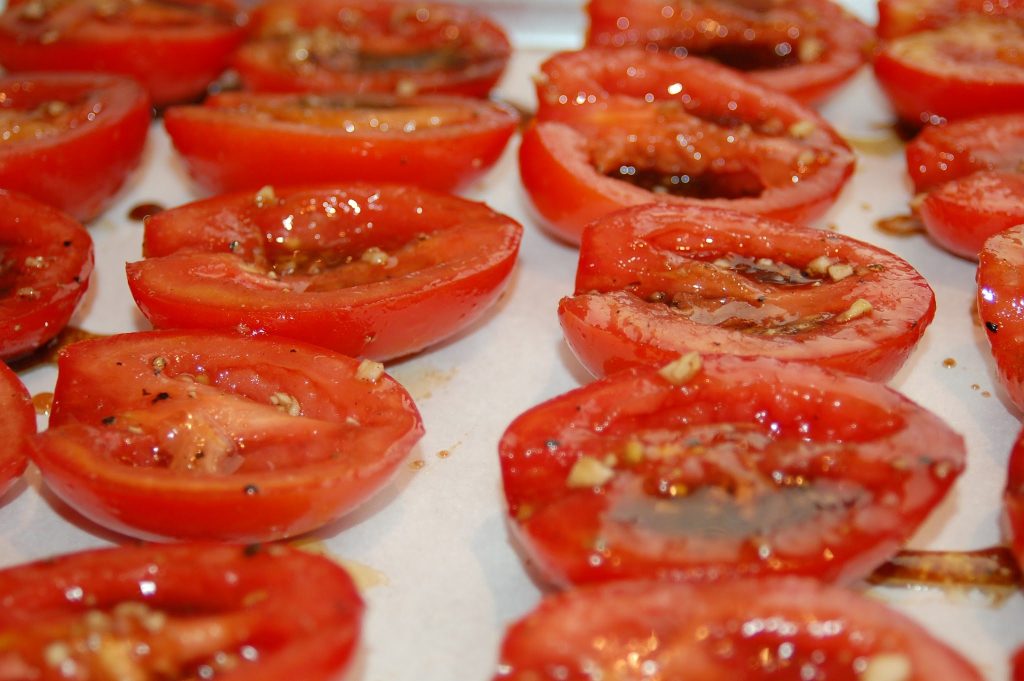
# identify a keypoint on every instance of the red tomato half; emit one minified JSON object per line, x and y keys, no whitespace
{"x":178,"y":612}
{"x":1014,"y":501}
{"x":737,"y":467}
{"x":946,"y":152}
{"x":45,"y":263}
{"x":16,"y":426}
{"x":191,"y":435}
{"x":174,"y":48}
{"x":1001,"y":307}
{"x":960,"y":215}
{"x":244,"y":141}
{"x":656,"y":281}
{"x":387,"y":46}
{"x":806,"y":50}
{"x":968,"y":68}
{"x":707,"y":136}
{"x":70,"y":140}
{"x":367,"y":270}
{"x":743,"y":631}
{"x":901,"y":17}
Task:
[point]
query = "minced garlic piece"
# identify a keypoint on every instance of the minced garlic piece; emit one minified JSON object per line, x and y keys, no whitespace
{"x":374,"y":256}
{"x":809,"y":49}
{"x":56,"y":654}
{"x":840,"y":271}
{"x":858,"y":308}
{"x":887,"y":667}
{"x":634,"y":451}
{"x":588,"y":472}
{"x":406,"y":87}
{"x":802,"y":129}
{"x":683,"y":369}
{"x":286,"y":403}
{"x":820,"y":265}
{"x":36,"y":262}
{"x":369,"y":371}
{"x":265,"y":196}
{"x":27,"y":292}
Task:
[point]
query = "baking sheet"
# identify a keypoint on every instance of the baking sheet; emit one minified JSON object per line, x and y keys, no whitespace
{"x":441,"y":575}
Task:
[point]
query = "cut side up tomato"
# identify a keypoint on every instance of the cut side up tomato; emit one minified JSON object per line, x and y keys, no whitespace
{"x":723,"y":467}
{"x":1001,"y":307}
{"x":193,"y":435}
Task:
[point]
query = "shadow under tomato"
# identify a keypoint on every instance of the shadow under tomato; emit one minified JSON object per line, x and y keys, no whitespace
{"x":14,"y":492}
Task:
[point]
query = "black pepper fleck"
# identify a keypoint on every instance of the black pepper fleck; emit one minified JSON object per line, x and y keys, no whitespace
{"x":992,"y":326}
{"x":108,"y":420}
{"x":160,"y":397}
{"x":252,"y":550}
{"x":251,"y":490}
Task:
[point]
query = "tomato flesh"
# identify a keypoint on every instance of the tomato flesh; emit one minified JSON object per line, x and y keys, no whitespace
{"x":806,"y":52}
{"x":946,"y":152}
{"x":371,"y":270}
{"x":656,"y":281}
{"x":177,"y":612}
{"x":1014,"y":500}
{"x":902,"y":17}
{"x":402,"y":48}
{"x":244,"y":140}
{"x":738,"y":631}
{"x":46,"y":260}
{"x":191,"y":435}
{"x":614,"y":132}
{"x":18,"y":424}
{"x":744,"y":467}
{"x":1000,"y":292}
{"x":173,"y":48}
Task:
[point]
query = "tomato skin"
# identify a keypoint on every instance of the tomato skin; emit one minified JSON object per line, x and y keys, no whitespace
{"x":1018,"y":665}
{"x":173,"y":49}
{"x":960,"y":70}
{"x":372,"y":46}
{"x":946,"y":152}
{"x":76,"y":170}
{"x":592,"y":102}
{"x":1013,"y":503}
{"x":46,"y":259}
{"x":229,"y":145}
{"x":440,"y":284}
{"x":832,"y":46}
{"x":141,"y":449}
{"x":17,"y":425}
{"x":960,"y":215}
{"x":1000,"y":287}
{"x":624,"y":630}
{"x":197,"y":600}
{"x":702,"y":495}
{"x":671,"y":252}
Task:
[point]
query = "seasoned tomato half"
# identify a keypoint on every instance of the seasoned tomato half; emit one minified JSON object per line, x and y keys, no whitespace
{"x":17,"y":425}
{"x":1001,"y":307}
{"x":720,"y":468}
{"x":1014,"y":501}
{"x":371,"y":270}
{"x":657,"y":281}
{"x":70,"y":140}
{"x":45,"y":262}
{"x":806,"y":50}
{"x":194,"y":435}
{"x":970,"y":67}
{"x":961,"y":214}
{"x":901,"y":17}
{"x":173,"y":48}
{"x":388,"y":46}
{"x":615,"y":130}
{"x":179,"y":612}
{"x":246,"y":140}
{"x":946,"y":152}
{"x":741,"y":631}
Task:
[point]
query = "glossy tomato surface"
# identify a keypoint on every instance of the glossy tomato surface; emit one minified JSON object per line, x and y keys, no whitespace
{"x":656,"y":281}
{"x":615,"y":130}
{"x":173,"y":48}
{"x":970,"y":67}
{"x":70,"y":140}
{"x":178,"y":612}
{"x":46,"y":259}
{"x":1018,"y":665}
{"x":901,"y":17}
{"x":386,"y":46}
{"x":961,"y":214}
{"x":721,"y":468}
{"x":1001,"y":307}
{"x":246,"y":140}
{"x":368,"y":270}
{"x":806,"y":50}
{"x":742,"y":631}
{"x":17,"y":425}
{"x":1014,"y":501}
{"x":946,"y":152}
{"x":194,"y":435}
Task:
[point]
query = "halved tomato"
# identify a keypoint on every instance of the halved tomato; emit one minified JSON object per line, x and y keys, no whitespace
{"x":967,"y":68}
{"x":961,"y":214}
{"x":656,"y":281}
{"x":45,"y":263}
{"x":17,"y":425}
{"x":246,"y":140}
{"x":178,"y":612}
{"x":368,"y":270}
{"x":70,"y":140}
{"x":721,"y":468}
{"x":742,"y":631}
{"x":1001,"y":306}
{"x":946,"y":152}
{"x":192,"y":435}
{"x":388,"y":46}
{"x":174,"y":48}
{"x":901,"y":17}
{"x":616,"y":129}
{"x":806,"y":50}
{"x":1014,"y":499}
